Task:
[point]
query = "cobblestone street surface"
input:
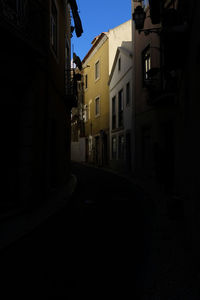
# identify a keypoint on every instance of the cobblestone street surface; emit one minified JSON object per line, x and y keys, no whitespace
{"x":106,"y":238}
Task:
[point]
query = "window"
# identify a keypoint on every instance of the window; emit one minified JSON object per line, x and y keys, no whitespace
{"x":146,"y":63}
{"x":114,"y":147}
{"x":120,"y":108}
{"x":121,"y":147}
{"x":54,"y":27}
{"x":128,"y":93}
{"x":114,"y":112}
{"x":97,"y":106}
{"x":119,"y":64}
{"x":86,"y":81}
{"x":86,"y":113}
{"x":97,"y":70}
{"x":145,"y":3}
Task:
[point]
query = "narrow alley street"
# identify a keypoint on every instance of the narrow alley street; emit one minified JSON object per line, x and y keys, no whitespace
{"x":100,"y":158}
{"x":96,"y":242}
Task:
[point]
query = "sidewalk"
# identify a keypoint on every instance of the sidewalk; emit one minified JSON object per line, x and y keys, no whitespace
{"x":20,"y":222}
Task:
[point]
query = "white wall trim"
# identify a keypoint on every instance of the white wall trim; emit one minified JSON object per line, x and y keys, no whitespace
{"x":97,"y":115}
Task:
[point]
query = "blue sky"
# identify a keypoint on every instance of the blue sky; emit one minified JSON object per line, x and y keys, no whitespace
{"x":98,"y":16}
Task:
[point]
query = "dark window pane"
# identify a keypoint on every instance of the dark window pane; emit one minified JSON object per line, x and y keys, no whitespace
{"x":120,"y":108}
{"x":127,"y":93}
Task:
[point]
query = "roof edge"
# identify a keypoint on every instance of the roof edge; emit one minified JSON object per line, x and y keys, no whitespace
{"x":95,"y":43}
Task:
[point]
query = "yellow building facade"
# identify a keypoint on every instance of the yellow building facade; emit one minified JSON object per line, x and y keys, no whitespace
{"x":96,"y":101}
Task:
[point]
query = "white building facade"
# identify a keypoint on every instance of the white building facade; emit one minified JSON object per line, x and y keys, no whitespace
{"x":121,"y":109}
{"x":117,"y":35}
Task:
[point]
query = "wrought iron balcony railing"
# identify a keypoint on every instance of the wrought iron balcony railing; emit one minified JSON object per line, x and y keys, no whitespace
{"x":71,"y":88}
{"x":161,"y":86}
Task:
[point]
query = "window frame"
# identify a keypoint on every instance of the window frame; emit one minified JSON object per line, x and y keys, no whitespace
{"x":97,"y":76}
{"x":128,"y":94}
{"x":119,"y":64}
{"x":121,"y":147}
{"x":114,"y":157}
{"x":89,"y":109}
{"x":114,"y":115}
{"x":146,"y":59}
{"x":120,"y":108}
{"x":97,"y":114}
{"x":86,"y":81}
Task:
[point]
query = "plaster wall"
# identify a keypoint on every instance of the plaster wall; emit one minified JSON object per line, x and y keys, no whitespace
{"x":116,"y":36}
{"x":78,"y":150}
{"x":118,"y":82}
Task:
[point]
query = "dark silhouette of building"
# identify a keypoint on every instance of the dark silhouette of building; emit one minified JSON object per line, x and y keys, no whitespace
{"x":35,"y":102}
{"x":167,"y":92}
{"x":166,"y":50}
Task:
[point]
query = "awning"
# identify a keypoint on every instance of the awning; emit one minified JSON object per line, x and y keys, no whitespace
{"x":77,"y":20}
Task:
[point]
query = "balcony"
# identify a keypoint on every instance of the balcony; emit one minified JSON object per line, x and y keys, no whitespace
{"x":71,"y":89}
{"x":23,"y":23}
{"x":161,"y":87}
